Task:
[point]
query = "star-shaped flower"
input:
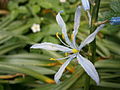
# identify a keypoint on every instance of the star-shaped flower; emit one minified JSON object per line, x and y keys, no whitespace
{"x":62,"y":1}
{"x":35,"y":28}
{"x":72,"y":47}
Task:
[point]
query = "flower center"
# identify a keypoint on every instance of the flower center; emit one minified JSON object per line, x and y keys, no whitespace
{"x":75,"y":51}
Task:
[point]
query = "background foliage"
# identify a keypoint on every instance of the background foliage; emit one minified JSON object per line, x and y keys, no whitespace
{"x":22,"y":68}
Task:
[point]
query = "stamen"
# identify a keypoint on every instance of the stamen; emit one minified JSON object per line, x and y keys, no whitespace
{"x":52,"y":59}
{"x":66,"y":54}
{"x":72,"y":36}
{"x":57,"y":35}
{"x":75,"y":51}
{"x":63,"y":36}
{"x":89,"y":17}
{"x":73,"y":55}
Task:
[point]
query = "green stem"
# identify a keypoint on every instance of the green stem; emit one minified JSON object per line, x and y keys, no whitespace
{"x":94,"y":12}
{"x":87,"y":82}
{"x":92,"y":49}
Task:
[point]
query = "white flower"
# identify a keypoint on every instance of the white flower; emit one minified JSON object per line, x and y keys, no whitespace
{"x":35,"y":28}
{"x":72,"y":48}
{"x":62,"y":1}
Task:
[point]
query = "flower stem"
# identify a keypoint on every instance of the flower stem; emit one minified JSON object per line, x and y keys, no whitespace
{"x":94,"y":12}
{"x":92,"y":49}
{"x":87,"y":82}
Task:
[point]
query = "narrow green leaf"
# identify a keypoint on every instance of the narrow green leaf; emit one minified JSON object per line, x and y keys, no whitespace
{"x":27,"y":71}
{"x":109,"y":84}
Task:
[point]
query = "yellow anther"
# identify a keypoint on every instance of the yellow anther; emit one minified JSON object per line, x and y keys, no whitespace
{"x":72,"y":35}
{"x":50,"y":81}
{"x":52,"y":59}
{"x":66,"y":54}
{"x":63,"y":36}
{"x":57,"y":35}
{"x":75,"y":51}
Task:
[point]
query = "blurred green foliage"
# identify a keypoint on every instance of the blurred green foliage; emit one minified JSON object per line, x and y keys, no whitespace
{"x":22,"y":68}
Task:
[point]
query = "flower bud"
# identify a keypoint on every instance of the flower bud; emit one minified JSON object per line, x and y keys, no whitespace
{"x":115,"y":21}
{"x":86,"y":5}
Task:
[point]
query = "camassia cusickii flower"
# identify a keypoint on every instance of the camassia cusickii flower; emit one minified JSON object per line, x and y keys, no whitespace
{"x":71,"y":47}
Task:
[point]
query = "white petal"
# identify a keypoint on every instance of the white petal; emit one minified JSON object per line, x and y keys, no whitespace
{"x":77,"y":18}
{"x":76,"y":22}
{"x":61,"y":70}
{"x":51,"y":46}
{"x":88,"y":67}
{"x":91,"y":37}
{"x":66,"y":57}
{"x":61,"y":23}
{"x":86,"y":4}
